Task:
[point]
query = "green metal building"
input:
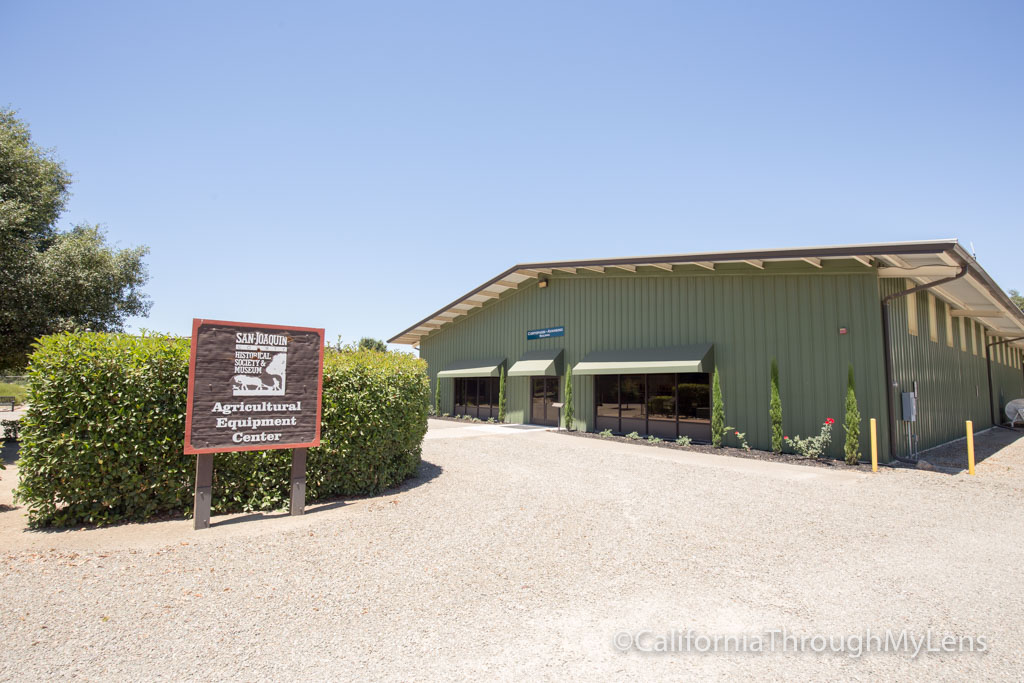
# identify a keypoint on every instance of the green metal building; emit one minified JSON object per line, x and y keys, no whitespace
{"x":643,"y":335}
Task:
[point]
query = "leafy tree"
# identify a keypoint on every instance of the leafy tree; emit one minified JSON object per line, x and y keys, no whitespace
{"x":775,"y":410}
{"x":502,"y":402}
{"x":1017,"y":298}
{"x":852,"y":422}
{"x":370,"y":344}
{"x":568,"y":410}
{"x":51,"y":280}
{"x":717,"y":411}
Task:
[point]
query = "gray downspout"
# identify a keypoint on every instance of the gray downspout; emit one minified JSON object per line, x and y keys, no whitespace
{"x":890,"y":385}
{"x":988,"y":362}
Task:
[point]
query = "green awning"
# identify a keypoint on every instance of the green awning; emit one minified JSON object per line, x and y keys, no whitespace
{"x":692,"y":358}
{"x":537,"y":363}
{"x":473,"y":368}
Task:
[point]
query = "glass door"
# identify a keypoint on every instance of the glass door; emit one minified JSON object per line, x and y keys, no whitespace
{"x":544,"y":392}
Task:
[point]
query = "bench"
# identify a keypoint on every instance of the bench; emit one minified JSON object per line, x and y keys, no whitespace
{"x":7,"y":400}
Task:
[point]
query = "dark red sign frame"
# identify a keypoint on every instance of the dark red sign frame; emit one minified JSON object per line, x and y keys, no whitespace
{"x":189,"y":450}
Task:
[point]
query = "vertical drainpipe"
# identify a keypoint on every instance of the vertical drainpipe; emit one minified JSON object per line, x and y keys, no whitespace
{"x":988,"y":362}
{"x":890,"y":385}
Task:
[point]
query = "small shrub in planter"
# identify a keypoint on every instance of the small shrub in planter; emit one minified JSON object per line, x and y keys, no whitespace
{"x":605,"y":433}
{"x":653,"y":439}
{"x":684,"y":441}
{"x":633,"y":435}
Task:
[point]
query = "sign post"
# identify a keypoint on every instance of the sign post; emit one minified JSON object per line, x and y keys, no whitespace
{"x":252,"y":388}
{"x":204,"y":491}
{"x":297,"y":505}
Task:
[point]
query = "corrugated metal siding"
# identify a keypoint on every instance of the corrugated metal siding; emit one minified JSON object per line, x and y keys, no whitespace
{"x":952,"y":383}
{"x":790,"y":312}
{"x":1007,"y":380}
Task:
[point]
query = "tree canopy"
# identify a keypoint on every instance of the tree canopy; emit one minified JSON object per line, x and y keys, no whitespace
{"x":1017,"y":298}
{"x":53,"y":280}
{"x":370,"y":344}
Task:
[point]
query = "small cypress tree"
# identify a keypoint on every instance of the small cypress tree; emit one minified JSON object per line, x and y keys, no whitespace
{"x":852,"y":422}
{"x":502,"y":406}
{"x":717,"y":411}
{"x":775,"y":410}
{"x":568,"y":409}
{"x":437,"y":396}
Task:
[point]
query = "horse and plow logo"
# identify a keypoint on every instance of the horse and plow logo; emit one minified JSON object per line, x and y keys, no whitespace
{"x":260,"y":364}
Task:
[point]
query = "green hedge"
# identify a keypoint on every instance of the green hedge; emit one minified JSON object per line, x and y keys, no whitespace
{"x":102,"y":438}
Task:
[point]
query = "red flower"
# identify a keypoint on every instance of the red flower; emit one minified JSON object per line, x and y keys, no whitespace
{"x":830,"y":421}
{"x":786,"y":437}
{"x":736,"y":433}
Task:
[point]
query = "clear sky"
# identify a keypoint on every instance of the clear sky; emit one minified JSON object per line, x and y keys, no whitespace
{"x":355,"y":166}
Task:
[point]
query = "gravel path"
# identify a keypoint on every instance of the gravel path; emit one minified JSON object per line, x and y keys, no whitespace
{"x":520,"y":554}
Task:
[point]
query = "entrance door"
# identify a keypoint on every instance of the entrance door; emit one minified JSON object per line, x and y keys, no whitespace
{"x":544,"y":392}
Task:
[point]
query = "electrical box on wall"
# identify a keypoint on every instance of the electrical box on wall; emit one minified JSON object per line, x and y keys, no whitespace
{"x":909,"y":406}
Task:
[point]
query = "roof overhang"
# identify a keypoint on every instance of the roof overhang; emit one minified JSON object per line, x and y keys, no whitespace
{"x":975,"y":295}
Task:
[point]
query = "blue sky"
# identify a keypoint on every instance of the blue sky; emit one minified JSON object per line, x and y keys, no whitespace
{"x":354,"y":166}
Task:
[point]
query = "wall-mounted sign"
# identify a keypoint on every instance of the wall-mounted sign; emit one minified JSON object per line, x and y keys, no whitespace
{"x":253,"y":387}
{"x":546,"y":332}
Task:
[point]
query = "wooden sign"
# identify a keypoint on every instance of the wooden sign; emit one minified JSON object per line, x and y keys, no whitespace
{"x":252,"y":388}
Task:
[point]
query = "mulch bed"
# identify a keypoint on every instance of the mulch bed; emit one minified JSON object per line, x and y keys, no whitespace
{"x":752,"y":454}
{"x":456,"y":418}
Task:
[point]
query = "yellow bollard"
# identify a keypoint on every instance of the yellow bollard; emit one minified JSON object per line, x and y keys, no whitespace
{"x":970,"y":447}
{"x":874,"y":445}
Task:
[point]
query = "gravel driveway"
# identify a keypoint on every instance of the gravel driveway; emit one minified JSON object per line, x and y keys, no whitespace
{"x":520,"y":555}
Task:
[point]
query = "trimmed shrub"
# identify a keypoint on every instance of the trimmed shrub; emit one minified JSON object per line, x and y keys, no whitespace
{"x":502,"y":401}
{"x":102,"y":439}
{"x":775,"y":410}
{"x":851,"y":422}
{"x":437,"y":396}
{"x":568,"y":409}
{"x":10,"y":429}
{"x":718,"y":426}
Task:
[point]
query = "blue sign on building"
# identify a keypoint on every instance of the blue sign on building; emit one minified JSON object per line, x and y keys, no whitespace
{"x":546,"y":332}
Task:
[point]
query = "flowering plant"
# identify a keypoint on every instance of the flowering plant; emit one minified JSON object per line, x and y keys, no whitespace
{"x":813,"y":446}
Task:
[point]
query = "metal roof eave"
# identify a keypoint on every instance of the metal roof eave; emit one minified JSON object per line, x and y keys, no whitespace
{"x":528,"y":271}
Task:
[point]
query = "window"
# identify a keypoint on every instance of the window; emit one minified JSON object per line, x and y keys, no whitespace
{"x":477,"y":397}
{"x":661,"y":406}
{"x":911,"y":311}
{"x":933,"y":324}
{"x":963,"y":334}
{"x":664,"y":405}
{"x":606,"y":392}
{"x":949,"y":324}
